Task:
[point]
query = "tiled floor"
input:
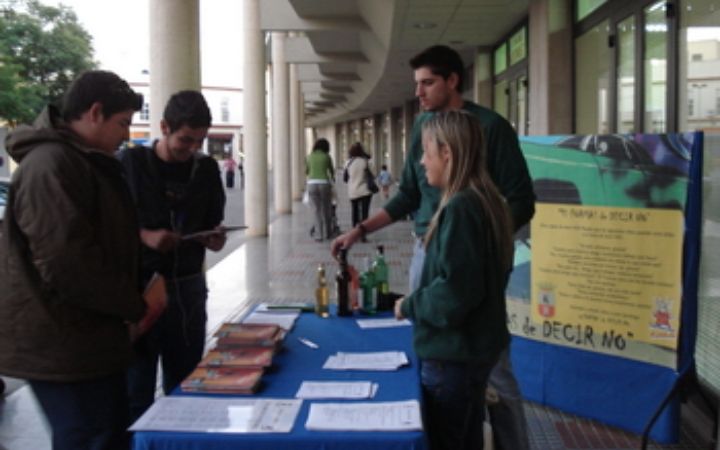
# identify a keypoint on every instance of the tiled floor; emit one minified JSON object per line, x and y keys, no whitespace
{"x":282,"y":268}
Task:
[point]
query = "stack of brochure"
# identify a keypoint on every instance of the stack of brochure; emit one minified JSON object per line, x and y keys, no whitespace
{"x":237,"y":363}
{"x":236,"y":380}
{"x":232,"y":335}
{"x":391,"y":360}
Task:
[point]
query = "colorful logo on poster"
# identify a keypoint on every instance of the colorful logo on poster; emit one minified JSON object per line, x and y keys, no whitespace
{"x":546,"y":300}
{"x":660,"y":327}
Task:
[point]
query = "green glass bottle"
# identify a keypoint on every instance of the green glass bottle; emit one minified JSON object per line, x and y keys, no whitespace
{"x":382,"y":275}
{"x":368,"y":303}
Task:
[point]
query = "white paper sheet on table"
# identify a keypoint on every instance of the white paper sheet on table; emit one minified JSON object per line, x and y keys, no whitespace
{"x":385,"y":322}
{"x":391,"y":360}
{"x":220,"y":415}
{"x":285,"y":320}
{"x":337,"y":389}
{"x":381,"y":416}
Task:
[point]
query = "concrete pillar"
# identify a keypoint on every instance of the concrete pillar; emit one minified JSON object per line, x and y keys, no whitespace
{"x":394,"y":143}
{"x":174,"y":53}
{"x":550,"y":47}
{"x":348,"y":140}
{"x":281,"y":125}
{"x":297,"y":166}
{"x":256,"y":199}
{"x":482,"y":86}
{"x":378,"y":136}
{"x":407,"y":124}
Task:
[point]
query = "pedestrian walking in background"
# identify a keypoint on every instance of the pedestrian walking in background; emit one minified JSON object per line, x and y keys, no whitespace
{"x":385,"y":180}
{"x":229,"y":166}
{"x":356,"y":177}
{"x":320,"y":173}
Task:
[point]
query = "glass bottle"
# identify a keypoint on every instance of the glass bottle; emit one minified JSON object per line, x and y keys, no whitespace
{"x":322,"y":296}
{"x":368,"y":303}
{"x":342,"y":283}
{"x":382,"y":276}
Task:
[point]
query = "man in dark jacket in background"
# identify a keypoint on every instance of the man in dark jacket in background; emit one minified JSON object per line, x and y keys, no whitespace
{"x":69,"y":264}
{"x":177,"y":192}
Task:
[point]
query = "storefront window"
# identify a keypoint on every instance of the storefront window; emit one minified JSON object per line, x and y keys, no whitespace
{"x":698,"y":81}
{"x":592,"y":81}
{"x":500,"y":103}
{"x":501,"y":59}
{"x":626,"y":76}
{"x":518,"y":49}
{"x":585,"y":7}
{"x":655,"y":64}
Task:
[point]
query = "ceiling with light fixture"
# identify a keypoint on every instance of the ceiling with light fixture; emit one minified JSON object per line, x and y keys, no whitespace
{"x":353,"y":55}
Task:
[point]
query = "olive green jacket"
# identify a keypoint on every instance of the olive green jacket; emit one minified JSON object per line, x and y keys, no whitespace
{"x":69,"y":257}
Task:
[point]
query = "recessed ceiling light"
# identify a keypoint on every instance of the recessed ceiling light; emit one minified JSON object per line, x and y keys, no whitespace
{"x":424,"y":25}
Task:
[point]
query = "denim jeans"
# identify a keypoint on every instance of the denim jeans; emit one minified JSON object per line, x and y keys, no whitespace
{"x":87,"y":415}
{"x":177,"y":339}
{"x":321,"y":199}
{"x":507,"y":417}
{"x":360,"y":209}
{"x":454,"y":399}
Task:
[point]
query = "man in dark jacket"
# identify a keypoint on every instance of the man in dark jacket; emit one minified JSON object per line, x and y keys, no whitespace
{"x":177,"y":192}
{"x":69,"y":264}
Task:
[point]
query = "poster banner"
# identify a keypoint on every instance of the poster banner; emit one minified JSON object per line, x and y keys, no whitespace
{"x":607,"y":275}
{"x":600,"y":267}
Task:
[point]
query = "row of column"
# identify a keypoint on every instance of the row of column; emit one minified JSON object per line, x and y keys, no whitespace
{"x":390,"y":138}
{"x":175,"y":65}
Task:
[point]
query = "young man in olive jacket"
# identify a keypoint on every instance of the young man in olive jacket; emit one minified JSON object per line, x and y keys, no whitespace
{"x":177,"y":191}
{"x":69,"y":258}
{"x":438,"y":72}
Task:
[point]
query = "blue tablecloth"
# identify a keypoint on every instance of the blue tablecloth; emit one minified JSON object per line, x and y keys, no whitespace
{"x":297,"y":362}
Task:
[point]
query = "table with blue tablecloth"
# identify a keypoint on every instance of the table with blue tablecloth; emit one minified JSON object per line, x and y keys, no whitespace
{"x":297,"y":362}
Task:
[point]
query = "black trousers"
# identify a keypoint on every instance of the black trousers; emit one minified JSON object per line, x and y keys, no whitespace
{"x":360,"y":209}
{"x":86,"y":415}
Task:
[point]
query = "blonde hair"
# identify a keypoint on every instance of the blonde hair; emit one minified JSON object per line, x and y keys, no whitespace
{"x":462,"y":135}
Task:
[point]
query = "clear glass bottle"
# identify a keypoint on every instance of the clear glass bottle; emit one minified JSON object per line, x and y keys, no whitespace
{"x":322,"y":296}
{"x":342,"y":283}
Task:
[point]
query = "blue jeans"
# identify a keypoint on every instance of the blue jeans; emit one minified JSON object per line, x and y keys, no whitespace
{"x":507,"y":417}
{"x":454,"y":403}
{"x":321,"y":198}
{"x":86,"y":415}
{"x":177,"y":339}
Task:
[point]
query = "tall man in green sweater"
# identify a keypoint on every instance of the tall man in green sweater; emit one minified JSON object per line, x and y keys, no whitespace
{"x":438,"y":74}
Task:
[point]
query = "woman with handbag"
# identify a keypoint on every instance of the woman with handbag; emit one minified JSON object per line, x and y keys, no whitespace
{"x":360,"y":180}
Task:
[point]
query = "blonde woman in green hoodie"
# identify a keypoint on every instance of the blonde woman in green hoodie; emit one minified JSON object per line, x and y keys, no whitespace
{"x":459,"y":308}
